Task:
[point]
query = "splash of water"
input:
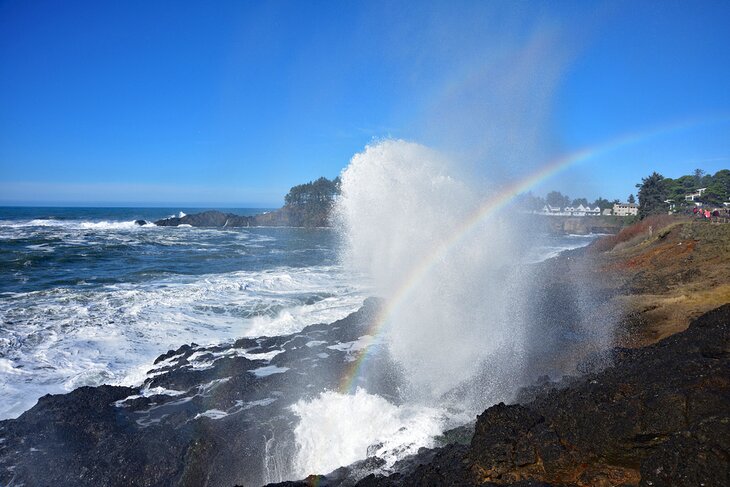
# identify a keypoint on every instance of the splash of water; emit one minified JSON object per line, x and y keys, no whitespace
{"x":357,"y":424}
{"x":398,"y":200}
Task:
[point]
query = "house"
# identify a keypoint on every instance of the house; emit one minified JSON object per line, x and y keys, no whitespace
{"x":607,"y":212}
{"x":625,"y":209}
{"x":672,"y":206}
{"x":585,"y":211}
{"x":696,"y":194}
{"x":552,"y":211}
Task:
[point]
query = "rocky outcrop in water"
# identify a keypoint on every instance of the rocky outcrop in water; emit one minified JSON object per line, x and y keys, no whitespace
{"x":284,"y":217}
{"x":659,"y":417}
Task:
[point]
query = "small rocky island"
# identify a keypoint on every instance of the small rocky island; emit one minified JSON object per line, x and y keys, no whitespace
{"x":306,"y":205}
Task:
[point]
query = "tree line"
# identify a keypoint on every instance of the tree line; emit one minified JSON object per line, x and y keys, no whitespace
{"x":655,"y":190}
{"x":309,"y":204}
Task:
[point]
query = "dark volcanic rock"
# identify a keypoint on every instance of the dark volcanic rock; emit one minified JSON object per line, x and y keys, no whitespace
{"x":283,"y":217}
{"x":659,"y":416}
{"x":218,"y":415}
{"x":205,"y":415}
{"x":208,"y":219}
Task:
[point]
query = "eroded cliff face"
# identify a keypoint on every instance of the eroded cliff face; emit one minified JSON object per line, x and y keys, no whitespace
{"x":663,"y":275}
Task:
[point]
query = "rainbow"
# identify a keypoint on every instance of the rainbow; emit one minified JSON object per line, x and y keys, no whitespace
{"x":489,"y":207}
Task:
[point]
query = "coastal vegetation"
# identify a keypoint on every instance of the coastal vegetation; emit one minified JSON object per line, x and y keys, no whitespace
{"x":310,"y":204}
{"x":658,"y":194}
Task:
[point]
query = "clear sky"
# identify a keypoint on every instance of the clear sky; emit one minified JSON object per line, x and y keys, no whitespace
{"x":231,"y":103}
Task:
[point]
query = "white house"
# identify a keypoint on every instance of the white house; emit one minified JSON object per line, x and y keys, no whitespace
{"x":607,"y":211}
{"x":588,"y":211}
{"x":625,"y":209}
{"x":696,"y":194}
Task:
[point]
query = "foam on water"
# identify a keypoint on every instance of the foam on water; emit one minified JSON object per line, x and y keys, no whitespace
{"x":338,"y":429}
{"x":95,"y":301}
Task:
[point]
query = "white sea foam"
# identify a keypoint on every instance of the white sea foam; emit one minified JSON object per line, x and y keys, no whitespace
{"x":338,"y":429}
{"x":268,"y":370}
{"x":62,"y":338}
{"x":74,"y":224}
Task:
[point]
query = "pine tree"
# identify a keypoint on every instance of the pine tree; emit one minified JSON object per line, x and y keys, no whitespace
{"x":652,"y":193}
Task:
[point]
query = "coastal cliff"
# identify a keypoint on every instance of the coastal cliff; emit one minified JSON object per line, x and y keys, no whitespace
{"x":656,"y":415}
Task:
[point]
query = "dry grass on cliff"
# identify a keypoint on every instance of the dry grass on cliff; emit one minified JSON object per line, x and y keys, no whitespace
{"x":636,"y":233}
{"x":669,"y":278}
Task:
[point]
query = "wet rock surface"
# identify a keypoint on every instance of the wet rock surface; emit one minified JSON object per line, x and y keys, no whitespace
{"x":205,"y":415}
{"x":660,"y":416}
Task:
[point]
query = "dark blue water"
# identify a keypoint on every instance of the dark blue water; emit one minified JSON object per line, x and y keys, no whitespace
{"x":88,"y":297}
{"x":41,"y":248}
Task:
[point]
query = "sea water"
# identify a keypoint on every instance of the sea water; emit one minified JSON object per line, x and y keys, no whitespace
{"x":87,"y":296}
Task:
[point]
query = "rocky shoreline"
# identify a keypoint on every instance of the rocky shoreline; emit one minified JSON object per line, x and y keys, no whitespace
{"x":659,"y":416}
{"x":219,"y":415}
{"x":204,"y":416}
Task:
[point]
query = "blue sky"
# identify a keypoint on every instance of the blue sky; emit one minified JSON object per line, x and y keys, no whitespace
{"x":231,"y":103}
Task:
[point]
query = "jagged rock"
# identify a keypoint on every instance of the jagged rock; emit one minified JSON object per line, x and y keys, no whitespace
{"x":659,"y":417}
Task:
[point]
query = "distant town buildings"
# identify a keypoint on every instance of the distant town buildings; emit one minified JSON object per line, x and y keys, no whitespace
{"x":625,"y":209}
{"x":580,"y":210}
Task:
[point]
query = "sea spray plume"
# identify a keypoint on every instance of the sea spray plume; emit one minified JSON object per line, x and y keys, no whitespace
{"x":597,"y":324}
{"x":398,"y":201}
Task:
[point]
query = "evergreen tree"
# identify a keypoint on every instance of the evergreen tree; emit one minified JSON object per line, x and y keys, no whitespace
{"x":631,"y":199}
{"x":556,"y":198}
{"x":309,"y":204}
{"x":652,"y":193}
{"x":602,"y":203}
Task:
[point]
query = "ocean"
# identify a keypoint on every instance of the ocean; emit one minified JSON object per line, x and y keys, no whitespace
{"x":89,"y":297}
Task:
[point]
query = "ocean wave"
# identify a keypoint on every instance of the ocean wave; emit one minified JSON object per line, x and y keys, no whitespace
{"x":75,"y":224}
{"x":67,"y":337}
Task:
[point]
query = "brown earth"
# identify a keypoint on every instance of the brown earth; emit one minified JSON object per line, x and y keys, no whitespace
{"x":662,"y":273}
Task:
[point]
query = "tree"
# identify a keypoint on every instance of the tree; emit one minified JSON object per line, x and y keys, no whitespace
{"x":602,"y":203}
{"x":556,"y":198}
{"x":579,"y":201}
{"x":698,"y":176}
{"x":309,"y":204}
{"x":652,"y":193}
{"x":631,"y":199}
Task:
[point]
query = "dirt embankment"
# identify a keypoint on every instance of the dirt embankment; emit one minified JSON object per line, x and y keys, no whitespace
{"x":662,"y":272}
